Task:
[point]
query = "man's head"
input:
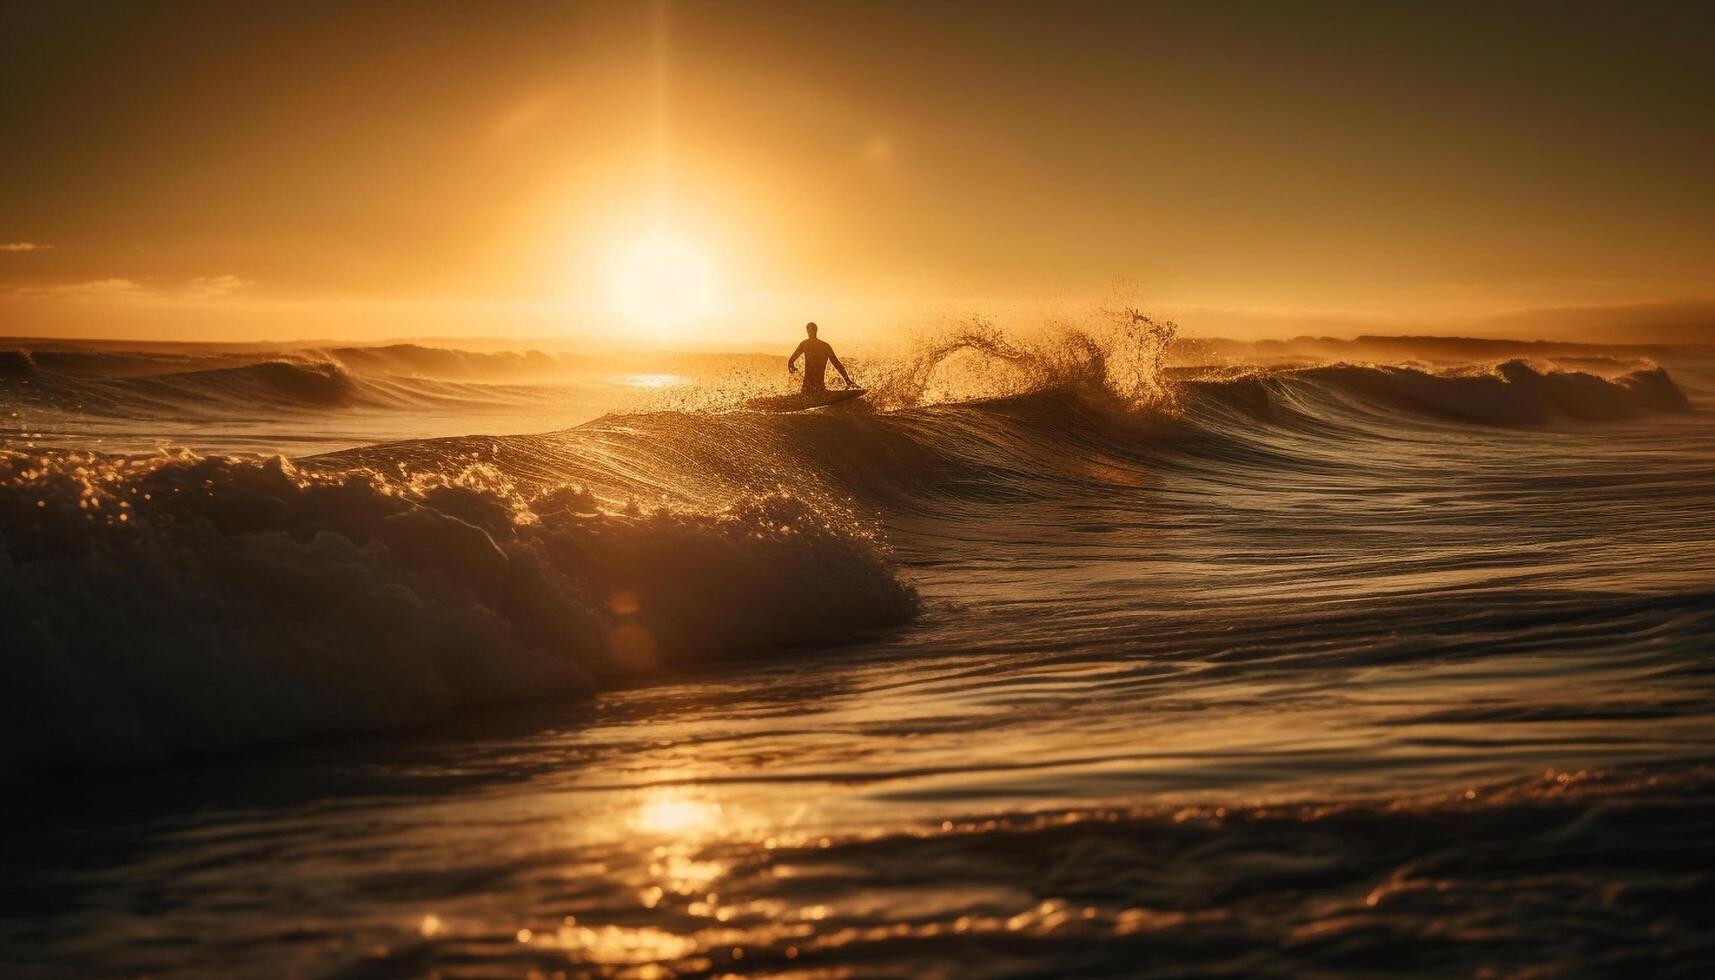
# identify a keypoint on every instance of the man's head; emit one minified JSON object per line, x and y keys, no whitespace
{"x":810,"y":328}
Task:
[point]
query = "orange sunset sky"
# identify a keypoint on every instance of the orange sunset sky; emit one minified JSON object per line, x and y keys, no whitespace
{"x":718,"y":173}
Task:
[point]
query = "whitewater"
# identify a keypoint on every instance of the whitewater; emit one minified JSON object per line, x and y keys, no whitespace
{"x":1093,"y":652}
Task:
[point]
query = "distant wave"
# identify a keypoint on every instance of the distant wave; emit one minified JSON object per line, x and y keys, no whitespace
{"x":277,"y":383}
{"x":311,"y":383}
{"x":101,"y":363}
{"x":407,"y":360}
{"x":1399,"y":349}
{"x":1511,"y":393}
{"x":183,"y":604}
{"x":446,"y":363}
{"x":283,"y":384}
{"x":1514,"y":392}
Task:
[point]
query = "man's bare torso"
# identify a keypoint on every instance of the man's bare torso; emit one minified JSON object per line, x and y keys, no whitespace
{"x":816,"y":354}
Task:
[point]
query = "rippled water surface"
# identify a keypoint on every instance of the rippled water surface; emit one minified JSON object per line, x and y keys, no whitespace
{"x":1339,"y":669}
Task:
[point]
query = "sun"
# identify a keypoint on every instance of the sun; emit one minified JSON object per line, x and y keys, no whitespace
{"x":663,"y":283}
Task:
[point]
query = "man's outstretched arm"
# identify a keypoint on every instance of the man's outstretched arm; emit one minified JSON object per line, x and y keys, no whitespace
{"x":792,"y":362}
{"x":834,"y":359}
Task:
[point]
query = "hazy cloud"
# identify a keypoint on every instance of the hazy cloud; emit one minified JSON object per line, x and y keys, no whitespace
{"x":114,"y":288}
{"x":24,"y":247}
{"x":199,"y":288}
{"x":209,"y":287}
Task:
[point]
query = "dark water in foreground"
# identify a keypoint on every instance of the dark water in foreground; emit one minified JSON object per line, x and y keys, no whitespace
{"x":1317,"y":670}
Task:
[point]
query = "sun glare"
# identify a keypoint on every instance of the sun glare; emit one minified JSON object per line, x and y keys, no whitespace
{"x":665,"y":284}
{"x":673,"y":812}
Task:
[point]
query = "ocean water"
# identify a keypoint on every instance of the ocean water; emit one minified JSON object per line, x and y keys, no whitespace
{"x":1088,"y":655}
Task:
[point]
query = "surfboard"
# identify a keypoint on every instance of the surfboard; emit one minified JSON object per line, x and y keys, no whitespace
{"x":802,"y":400}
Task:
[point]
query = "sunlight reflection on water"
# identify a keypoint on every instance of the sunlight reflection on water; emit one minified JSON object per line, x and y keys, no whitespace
{"x":651,"y":380}
{"x":671,"y":811}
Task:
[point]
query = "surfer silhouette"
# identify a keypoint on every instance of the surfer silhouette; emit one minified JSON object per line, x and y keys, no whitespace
{"x":816,"y":354}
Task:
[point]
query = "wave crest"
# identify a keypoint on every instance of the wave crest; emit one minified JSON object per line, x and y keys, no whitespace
{"x":1119,"y":359}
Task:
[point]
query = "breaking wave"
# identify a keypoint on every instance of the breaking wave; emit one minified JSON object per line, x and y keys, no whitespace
{"x":184,"y":604}
{"x":179,"y":604}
